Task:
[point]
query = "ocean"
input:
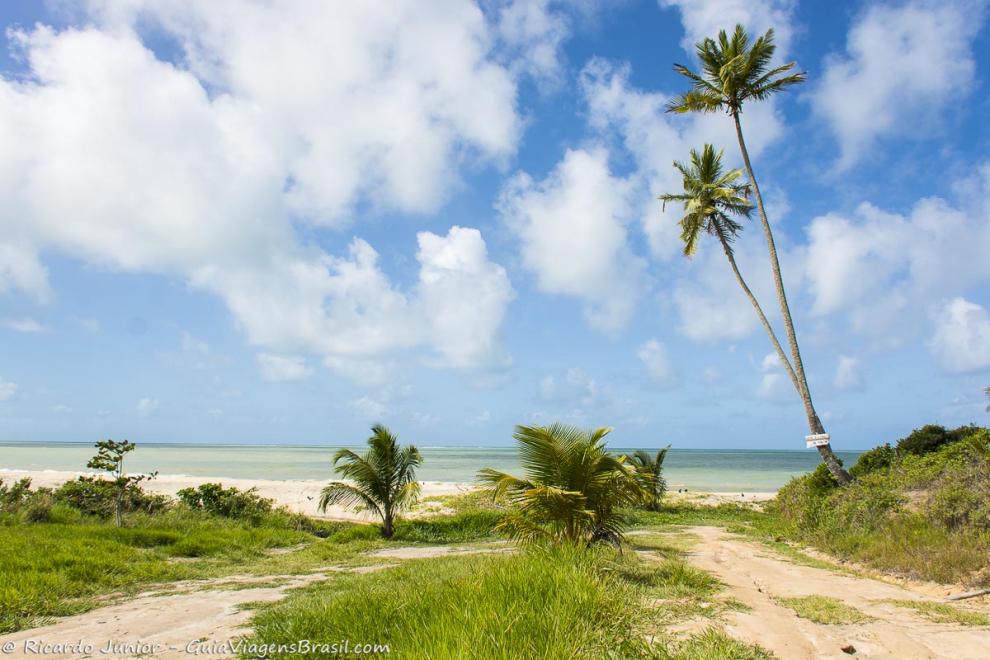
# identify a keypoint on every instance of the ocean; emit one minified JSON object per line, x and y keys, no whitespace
{"x":718,"y":470}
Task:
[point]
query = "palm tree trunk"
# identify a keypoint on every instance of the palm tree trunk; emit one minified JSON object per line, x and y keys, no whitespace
{"x":387,"y":527}
{"x":801,"y":381}
{"x":759,"y":312}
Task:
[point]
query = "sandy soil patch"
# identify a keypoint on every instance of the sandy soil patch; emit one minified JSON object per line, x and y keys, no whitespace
{"x":757,"y":576}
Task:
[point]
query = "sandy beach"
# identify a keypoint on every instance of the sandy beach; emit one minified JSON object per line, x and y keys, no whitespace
{"x":302,"y":496}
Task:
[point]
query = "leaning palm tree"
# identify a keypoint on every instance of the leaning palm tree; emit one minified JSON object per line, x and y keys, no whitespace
{"x":735,"y":70}
{"x":711,"y":198}
{"x":649,"y":470}
{"x":383,"y":480}
{"x":573,"y":488}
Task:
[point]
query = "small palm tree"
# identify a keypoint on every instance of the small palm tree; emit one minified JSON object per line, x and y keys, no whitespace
{"x":573,"y":487}
{"x":383,"y":480}
{"x":735,"y":70}
{"x":649,"y":470}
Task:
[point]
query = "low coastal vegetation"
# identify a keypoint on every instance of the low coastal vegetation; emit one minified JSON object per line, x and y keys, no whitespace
{"x":920,"y":508}
{"x":601,"y":570}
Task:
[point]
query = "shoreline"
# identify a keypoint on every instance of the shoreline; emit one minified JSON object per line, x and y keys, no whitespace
{"x":302,"y":495}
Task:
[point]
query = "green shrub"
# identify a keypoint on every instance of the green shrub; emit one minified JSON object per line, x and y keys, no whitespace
{"x":94,"y":496}
{"x":931,"y":437}
{"x":878,"y":458}
{"x":227,"y":502}
{"x":15,"y":495}
{"x":925,"y":513}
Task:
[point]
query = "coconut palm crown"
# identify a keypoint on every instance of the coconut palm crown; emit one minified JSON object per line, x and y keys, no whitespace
{"x":383,"y":480}
{"x":733,"y":70}
{"x":711,"y":198}
{"x":572,"y":490}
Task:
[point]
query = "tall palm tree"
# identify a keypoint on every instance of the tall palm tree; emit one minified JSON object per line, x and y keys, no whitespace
{"x":572,"y":490}
{"x":383,"y":480}
{"x":735,"y":70}
{"x":711,"y":198}
{"x":649,"y":469}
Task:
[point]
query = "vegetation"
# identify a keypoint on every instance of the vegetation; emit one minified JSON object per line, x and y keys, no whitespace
{"x":383,"y":480}
{"x":93,"y":496}
{"x":735,"y":70}
{"x":110,"y":457}
{"x":59,"y":568}
{"x":942,"y":613}
{"x":649,"y":470}
{"x":227,"y":502}
{"x":573,"y":489}
{"x":824,"y":609}
{"x":935,"y":503}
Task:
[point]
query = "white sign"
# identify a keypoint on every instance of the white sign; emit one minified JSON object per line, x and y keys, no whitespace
{"x":816,"y":440}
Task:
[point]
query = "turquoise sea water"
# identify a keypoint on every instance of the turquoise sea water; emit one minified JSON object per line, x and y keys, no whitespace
{"x":717,"y":470}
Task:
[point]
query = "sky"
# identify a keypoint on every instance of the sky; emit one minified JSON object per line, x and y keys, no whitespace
{"x":266,"y":221}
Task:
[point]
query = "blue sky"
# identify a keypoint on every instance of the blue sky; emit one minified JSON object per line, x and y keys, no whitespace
{"x":279,"y":222}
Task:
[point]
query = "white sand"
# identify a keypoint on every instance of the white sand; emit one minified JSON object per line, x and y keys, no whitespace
{"x":300,"y":496}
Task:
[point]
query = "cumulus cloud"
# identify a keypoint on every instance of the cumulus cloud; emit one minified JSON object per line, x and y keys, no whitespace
{"x":888,"y":270}
{"x":903,"y":66}
{"x":848,"y":374}
{"x":704,"y":18}
{"x":198,"y":169}
{"x":571,"y":227}
{"x":283,"y":368}
{"x":653,"y":355}
{"x":962,"y":337}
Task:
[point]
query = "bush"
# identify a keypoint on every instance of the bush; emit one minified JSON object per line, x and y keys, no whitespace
{"x":227,"y":502}
{"x":878,"y":458}
{"x":922,"y":512}
{"x":931,"y":437}
{"x":14,"y":496}
{"x":95,"y":497}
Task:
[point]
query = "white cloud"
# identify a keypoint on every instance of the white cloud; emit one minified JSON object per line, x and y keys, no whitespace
{"x":199,"y":170}
{"x":26,"y":325}
{"x":848,"y":374}
{"x":888,"y":271}
{"x":20,"y":267}
{"x":282,"y":368}
{"x":572,"y":231}
{"x":483,"y":417}
{"x":368,"y":408}
{"x":704,"y":18}
{"x":147,"y":406}
{"x":576,"y":387}
{"x":534,"y":33}
{"x":653,"y":355}
{"x":774,"y":384}
{"x":7,"y":389}
{"x":904,"y":65}
{"x":962,"y":337}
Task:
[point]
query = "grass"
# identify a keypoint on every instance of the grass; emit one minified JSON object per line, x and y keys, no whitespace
{"x":714,"y":644}
{"x":942,"y":613}
{"x":57,"y":569}
{"x":824,"y":609}
{"x":553,"y":603}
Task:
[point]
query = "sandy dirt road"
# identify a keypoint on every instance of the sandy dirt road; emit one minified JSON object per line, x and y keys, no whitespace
{"x":757,"y":575}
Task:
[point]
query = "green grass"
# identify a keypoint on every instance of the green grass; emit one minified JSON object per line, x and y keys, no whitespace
{"x":824,"y":609}
{"x":59,"y":569}
{"x":558,"y":603}
{"x":714,"y":644}
{"x":942,"y":613}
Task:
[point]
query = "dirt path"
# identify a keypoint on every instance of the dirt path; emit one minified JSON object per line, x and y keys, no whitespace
{"x":195,"y":618}
{"x":757,"y":575}
{"x":163,"y":623}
